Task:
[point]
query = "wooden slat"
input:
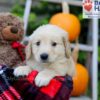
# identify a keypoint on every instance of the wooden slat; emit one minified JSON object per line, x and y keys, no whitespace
{"x":71,"y":2}
{"x":83,"y":47}
{"x":80,"y":98}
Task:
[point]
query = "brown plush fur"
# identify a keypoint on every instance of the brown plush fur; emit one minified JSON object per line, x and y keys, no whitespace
{"x":8,"y":55}
{"x":7,"y":19}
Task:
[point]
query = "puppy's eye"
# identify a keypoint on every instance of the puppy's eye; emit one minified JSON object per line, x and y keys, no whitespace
{"x":38,"y":43}
{"x":54,"y":44}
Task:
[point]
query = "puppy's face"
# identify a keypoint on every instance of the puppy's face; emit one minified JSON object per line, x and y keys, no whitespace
{"x":47,"y":48}
{"x":47,"y":44}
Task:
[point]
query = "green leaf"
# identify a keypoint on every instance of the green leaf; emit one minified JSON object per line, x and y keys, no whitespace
{"x":99,"y":54}
{"x":32,"y":17}
{"x":80,"y":16}
{"x":18,"y":9}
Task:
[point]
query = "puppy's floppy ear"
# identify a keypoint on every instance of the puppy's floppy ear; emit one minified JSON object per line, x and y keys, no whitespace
{"x":67,"y":47}
{"x":28,"y":50}
{"x":70,"y":62}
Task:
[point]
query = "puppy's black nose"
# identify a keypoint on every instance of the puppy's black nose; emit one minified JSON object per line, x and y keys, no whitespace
{"x":44,"y":56}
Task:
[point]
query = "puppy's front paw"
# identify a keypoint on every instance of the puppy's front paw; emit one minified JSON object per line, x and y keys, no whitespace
{"x":22,"y":71}
{"x":42,"y":79}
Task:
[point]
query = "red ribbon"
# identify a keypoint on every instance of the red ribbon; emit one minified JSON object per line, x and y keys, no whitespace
{"x":18,"y":46}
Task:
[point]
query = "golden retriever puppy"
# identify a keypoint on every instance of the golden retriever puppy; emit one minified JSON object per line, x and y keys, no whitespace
{"x":49,"y":53}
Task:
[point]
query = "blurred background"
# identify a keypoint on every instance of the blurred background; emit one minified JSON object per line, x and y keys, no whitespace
{"x":41,"y":12}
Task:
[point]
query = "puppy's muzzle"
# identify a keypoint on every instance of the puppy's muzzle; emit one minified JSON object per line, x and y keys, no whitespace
{"x":44,"y":57}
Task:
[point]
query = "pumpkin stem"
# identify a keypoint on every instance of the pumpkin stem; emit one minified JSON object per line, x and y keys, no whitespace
{"x":75,"y":52}
{"x":65,"y":7}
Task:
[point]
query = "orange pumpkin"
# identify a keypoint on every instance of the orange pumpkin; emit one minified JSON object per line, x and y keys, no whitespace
{"x":68,"y":22}
{"x":80,"y":80}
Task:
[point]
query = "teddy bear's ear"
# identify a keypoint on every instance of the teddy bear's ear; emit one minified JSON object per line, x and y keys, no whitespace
{"x":28,"y":50}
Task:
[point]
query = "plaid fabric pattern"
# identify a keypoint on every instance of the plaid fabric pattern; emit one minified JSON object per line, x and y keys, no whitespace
{"x":24,"y":88}
{"x":7,"y":91}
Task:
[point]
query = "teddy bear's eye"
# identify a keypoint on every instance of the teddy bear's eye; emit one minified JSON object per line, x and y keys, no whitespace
{"x":38,"y":43}
{"x":9,"y":24}
{"x":54,"y":44}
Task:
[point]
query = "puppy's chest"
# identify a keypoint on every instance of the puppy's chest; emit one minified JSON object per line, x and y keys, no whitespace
{"x":37,"y":67}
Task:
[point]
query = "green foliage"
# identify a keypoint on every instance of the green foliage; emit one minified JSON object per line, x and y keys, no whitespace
{"x":18,"y":10}
{"x":99,"y":90}
{"x":99,"y":54}
{"x":82,"y":57}
{"x":80,"y":17}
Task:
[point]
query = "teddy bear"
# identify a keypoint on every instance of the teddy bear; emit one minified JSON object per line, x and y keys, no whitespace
{"x":12,"y":52}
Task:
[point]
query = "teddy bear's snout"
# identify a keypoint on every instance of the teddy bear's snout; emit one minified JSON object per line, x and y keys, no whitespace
{"x":11,"y":33}
{"x":14,"y":30}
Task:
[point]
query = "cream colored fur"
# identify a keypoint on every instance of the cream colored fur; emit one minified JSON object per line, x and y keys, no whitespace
{"x":59,"y":61}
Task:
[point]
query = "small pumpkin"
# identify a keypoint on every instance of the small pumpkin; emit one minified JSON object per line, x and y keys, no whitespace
{"x":68,"y":22}
{"x":80,"y":80}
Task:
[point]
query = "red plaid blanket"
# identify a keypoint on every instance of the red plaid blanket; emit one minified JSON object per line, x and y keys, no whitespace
{"x":24,"y":88}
